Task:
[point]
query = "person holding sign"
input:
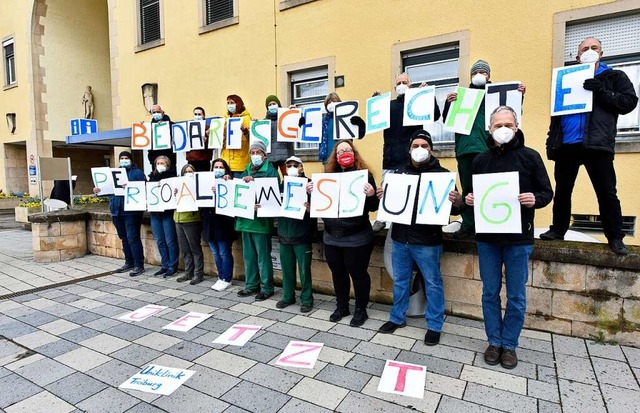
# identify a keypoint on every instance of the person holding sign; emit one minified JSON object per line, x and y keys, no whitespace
{"x":189,"y":230}
{"x":158,"y":115}
{"x":162,"y":225}
{"x":235,"y":150}
{"x":200,"y":158}
{"x":327,"y":142}
{"x":295,"y":238}
{"x":128,"y":223}
{"x":589,"y":139}
{"x":467,"y":147}
{"x":219,"y":233}
{"x":348,"y":242}
{"x":421,"y":245}
{"x":256,"y":233}
{"x":280,"y":151}
{"x":507,"y":153}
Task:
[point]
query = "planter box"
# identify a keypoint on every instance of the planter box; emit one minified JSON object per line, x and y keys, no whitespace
{"x":22,"y":213}
{"x":9,"y":203}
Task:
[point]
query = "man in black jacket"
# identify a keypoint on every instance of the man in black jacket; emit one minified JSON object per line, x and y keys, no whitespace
{"x":589,"y":139}
{"x":419,"y":244}
{"x":507,"y":153}
{"x":158,"y":115}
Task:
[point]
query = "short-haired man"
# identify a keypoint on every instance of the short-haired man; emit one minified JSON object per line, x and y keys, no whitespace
{"x":201,"y":158}
{"x":158,"y":115}
{"x":507,"y":153}
{"x":589,"y":139}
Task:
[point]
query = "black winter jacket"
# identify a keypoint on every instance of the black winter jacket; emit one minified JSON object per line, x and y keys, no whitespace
{"x":617,"y":97}
{"x":153,"y":154}
{"x":155,"y":176}
{"x":533,"y":177}
{"x":420,"y":234}
{"x":396,"y":137}
{"x":342,"y":227}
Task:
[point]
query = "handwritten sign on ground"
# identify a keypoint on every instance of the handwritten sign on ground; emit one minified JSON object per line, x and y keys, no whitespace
{"x":187,"y":322}
{"x":403,"y":378}
{"x":496,"y":208}
{"x":398,"y":198}
{"x":419,"y":106}
{"x":157,"y":379}
{"x":300,"y":354}
{"x":463,"y":110}
{"x":502,"y":94}
{"x":567,"y":92}
{"x":237,"y":335}
{"x":142,"y":313}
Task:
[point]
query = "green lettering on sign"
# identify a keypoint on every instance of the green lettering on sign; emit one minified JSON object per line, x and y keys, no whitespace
{"x":495,"y":205}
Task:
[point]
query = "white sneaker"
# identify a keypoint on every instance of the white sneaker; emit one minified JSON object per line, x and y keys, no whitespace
{"x":220,"y":285}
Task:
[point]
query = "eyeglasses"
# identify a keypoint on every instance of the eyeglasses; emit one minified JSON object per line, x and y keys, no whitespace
{"x":340,"y":152}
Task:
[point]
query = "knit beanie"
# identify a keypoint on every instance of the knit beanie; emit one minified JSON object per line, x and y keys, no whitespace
{"x":125,"y":153}
{"x":258,"y":145}
{"x":271,"y":98}
{"x":481,"y":65}
{"x":421,"y":134}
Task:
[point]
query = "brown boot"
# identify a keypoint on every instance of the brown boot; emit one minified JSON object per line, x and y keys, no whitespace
{"x":509,"y":360}
{"x":492,"y":355}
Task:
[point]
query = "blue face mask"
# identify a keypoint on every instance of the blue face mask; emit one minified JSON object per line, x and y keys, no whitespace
{"x":218,"y":172}
{"x":231,"y":108}
{"x":157,"y":116}
{"x":272,"y":110}
{"x":125,"y":163}
{"x":256,"y":160}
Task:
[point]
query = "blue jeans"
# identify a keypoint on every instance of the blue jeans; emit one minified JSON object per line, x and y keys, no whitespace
{"x":164,"y":232}
{"x":428,"y":260}
{"x":223,"y":257}
{"x":504,"y":332}
{"x":128,"y":229}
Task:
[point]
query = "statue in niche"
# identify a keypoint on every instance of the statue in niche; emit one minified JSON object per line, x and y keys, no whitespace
{"x":87,"y":101}
{"x":149,"y":95}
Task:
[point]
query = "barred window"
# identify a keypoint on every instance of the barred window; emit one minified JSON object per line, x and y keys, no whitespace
{"x":150,"y":29}
{"x":218,"y":10}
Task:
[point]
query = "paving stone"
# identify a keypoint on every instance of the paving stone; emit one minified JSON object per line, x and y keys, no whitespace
{"x":272,"y":377}
{"x":79,"y":334}
{"x":14,"y":388}
{"x":216,"y":325}
{"x":254,"y":398}
{"x":51,"y":294}
{"x":452,"y":405}
{"x":343,"y":377}
{"x":4,"y":372}
{"x":107,"y":310}
{"x":66,"y":298}
{"x":528,"y":343}
{"x":620,"y":400}
{"x":320,"y":393}
{"x":211,"y":382}
{"x":127,"y":331}
{"x":59,"y":327}
{"x":168,"y":302}
{"x":607,"y":351}
{"x":82,"y":359}
{"x":453,"y":340}
{"x":104,"y":343}
{"x":277,"y":341}
{"x":536,"y":357}
{"x":76,"y":387}
{"x":186,"y":335}
{"x":445,"y":352}
{"x":433,"y":364}
{"x":523,"y":369}
{"x":376,"y":350}
{"x":500,"y":399}
{"x":57,"y":348}
{"x":300,"y":333}
{"x":310,"y":322}
{"x":187,"y":350}
{"x":218,"y":302}
{"x":145,"y":408}
{"x":335,"y":356}
{"x":109,"y":400}
{"x":133,"y":304}
{"x":60,"y":310}
{"x":172,"y":361}
{"x":103,"y":323}
{"x":393,"y":340}
{"x":16,"y":329}
{"x":225,"y":362}
{"x":257,"y":321}
{"x":465,"y":331}
{"x":543,"y":390}
{"x":633,"y":355}
{"x":580,"y":398}
{"x":157,"y":341}
{"x":356,"y":333}
{"x":615,"y":373}
{"x":572,"y":346}
{"x":43,"y":372}
{"x":366,"y":364}
{"x":335,"y":341}
{"x":43,"y":402}
{"x":254,"y":351}
{"x":548,"y":407}
{"x":36,"y":339}
{"x":428,"y":403}
{"x":300,"y":406}
{"x":113,"y":372}
{"x":278,"y":315}
{"x":498,"y":380}
{"x":575,"y":368}
{"x":547,"y":374}
{"x":136,"y":355}
{"x":450,"y":386}
{"x":81,"y":317}
{"x":359,"y":403}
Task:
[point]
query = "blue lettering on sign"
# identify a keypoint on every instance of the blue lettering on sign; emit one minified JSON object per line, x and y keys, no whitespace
{"x":151,"y":371}
{"x":558,"y":105}
{"x":410,"y":112}
{"x":436,"y":205}
{"x":305,"y":136}
{"x":290,"y":195}
{"x":145,"y":382}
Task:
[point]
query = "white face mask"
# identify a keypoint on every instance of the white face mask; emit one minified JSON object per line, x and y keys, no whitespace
{"x":292,"y":171}
{"x":125,"y":163}
{"x":157,"y":116}
{"x":420,"y":155}
{"x":231,"y":108}
{"x":188,"y":174}
{"x":273,"y":109}
{"x":161,"y":168}
{"x":256,"y":160}
{"x":590,"y":56}
{"x":479,"y":79}
{"x":331,"y":106}
{"x":401,"y":89}
{"x":503,"y":135}
{"x":197,"y":117}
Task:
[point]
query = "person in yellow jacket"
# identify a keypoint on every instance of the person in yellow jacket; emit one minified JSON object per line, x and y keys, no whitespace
{"x":237,"y":158}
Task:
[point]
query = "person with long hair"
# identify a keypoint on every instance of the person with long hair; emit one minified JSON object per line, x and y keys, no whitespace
{"x":189,"y":229}
{"x":348,"y":242}
{"x":219,"y":233}
{"x":237,"y":158}
{"x":162,"y":225}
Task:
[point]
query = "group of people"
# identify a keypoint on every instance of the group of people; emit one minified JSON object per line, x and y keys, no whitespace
{"x":573,"y":140}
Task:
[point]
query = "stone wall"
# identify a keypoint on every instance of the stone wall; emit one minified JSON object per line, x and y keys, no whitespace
{"x":58,"y":236}
{"x":576,"y":289}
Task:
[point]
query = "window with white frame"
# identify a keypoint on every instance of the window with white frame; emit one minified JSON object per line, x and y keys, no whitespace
{"x":308,"y":87}
{"x":9,"y":62}
{"x":217,"y":10}
{"x":150,"y":21}
{"x":620,"y":40}
{"x":438,"y":66}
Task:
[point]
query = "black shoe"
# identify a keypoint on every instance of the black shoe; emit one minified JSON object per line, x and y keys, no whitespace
{"x":551,"y":235}
{"x":305,"y":308}
{"x":509,"y":360}
{"x":246,"y":292}
{"x":492,"y":355}
{"x":160,"y":272}
{"x":389,"y":327}
{"x":359,"y":317}
{"x":196,"y":280}
{"x":263,"y":296}
{"x":378,"y":226}
{"x":432,"y":338}
{"x":618,"y":247}
{"x":170,"y":273}
{"x":282,"y":304}
{"x":124,"y":268}
{"x":184,"y":277}
{"x":136,"y":271}
{"x":463,"y":233}
{"x":338,"y":314}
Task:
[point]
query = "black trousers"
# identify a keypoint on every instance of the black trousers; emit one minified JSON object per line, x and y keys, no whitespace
{"x":350,"y":261}
{"x":599,"y":166}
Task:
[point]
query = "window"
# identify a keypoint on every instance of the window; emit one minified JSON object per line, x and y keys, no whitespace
{"x":217,"y":10}
{"x":593,"y":223}
{"x":9,"y":62}
{"x":620,"y":39}
{"x":150,"y":21}
{"x":438,"y":66}
{"x":309,"y":87}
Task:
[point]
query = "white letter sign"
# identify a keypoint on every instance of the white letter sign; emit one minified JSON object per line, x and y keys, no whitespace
{"x":496,"y":208}
{"x":403,"y":378}
{"x":237,"y":335}
{"x":300,"y":354}
{"x":567,"y":92}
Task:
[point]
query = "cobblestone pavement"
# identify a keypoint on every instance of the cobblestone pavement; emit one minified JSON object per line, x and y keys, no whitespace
{"x":64,"y":349}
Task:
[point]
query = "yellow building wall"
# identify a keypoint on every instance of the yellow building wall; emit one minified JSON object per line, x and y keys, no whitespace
{"x":247,"y":59}
{"x":76,"y":55}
